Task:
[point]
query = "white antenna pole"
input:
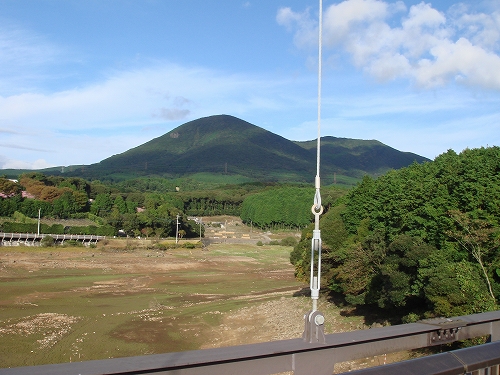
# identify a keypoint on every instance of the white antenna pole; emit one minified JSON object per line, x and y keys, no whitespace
{"x":39,"y":221}
{"x":314,"y":320}
{"x":320,"y":58}
{"x":317,"y":209}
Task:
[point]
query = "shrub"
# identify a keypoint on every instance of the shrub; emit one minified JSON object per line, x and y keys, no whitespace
{"x":54,"y":229}
{"x":48,"y":241}
{"x":289,"y":241}
{"x":410,"y":318}
{"x":11,"y":227}
{"x":161,"y":246}
{"x":21,"y":218}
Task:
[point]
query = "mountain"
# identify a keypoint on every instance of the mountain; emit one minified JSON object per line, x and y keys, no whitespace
{"x":357,"y":157}
{"x":225,"y":144}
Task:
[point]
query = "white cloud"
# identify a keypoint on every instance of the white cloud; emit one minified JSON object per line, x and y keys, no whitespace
{"x":88,"y":124}
{"x":307,"y":32}
{"x":26,"y":59}
{"x":461,"y":61}
{"x":174,"y":113}
{"x":482,"y":29}
{"x":423,"y":16}
{"x":20,"y":47}
{"x":6,"y":163}
{"x":340,"y":20}
{"x":428,"y":47}
{"x":166,"y":92}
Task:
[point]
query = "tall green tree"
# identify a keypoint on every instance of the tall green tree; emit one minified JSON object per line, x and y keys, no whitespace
{"x":424,"y":237}
{"x":478,"y":236}
{"x":120,"y":204}
{"x":102,"y":205}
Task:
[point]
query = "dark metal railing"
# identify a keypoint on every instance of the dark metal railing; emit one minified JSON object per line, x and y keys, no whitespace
{"x":481,"y":359}
{"x":302,"y":358}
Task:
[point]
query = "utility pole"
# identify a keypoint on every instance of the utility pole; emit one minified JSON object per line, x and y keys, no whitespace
{"x":38,"y":232}
{"x":177,"y":229}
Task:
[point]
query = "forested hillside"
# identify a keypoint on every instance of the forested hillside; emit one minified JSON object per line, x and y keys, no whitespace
{"x":149,"y":206}
{"x":418,"y":242}
{"x":145,"y":207}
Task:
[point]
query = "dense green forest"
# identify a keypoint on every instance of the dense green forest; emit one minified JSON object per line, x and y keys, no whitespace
{"x":141,"y":207}
{"x":286,"y":208}
{"x":422,"y":241}
{"x":124,"y":209}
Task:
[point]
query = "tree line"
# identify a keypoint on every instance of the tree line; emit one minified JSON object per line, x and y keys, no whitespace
{"x":124,"y":210}
{"x":422,"y":241}
{"x":153,"y":213}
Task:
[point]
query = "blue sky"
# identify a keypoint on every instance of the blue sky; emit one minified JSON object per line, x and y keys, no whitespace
{"x":83,"y":80}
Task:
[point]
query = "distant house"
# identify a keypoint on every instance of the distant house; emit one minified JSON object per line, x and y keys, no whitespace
{"x":27,"y":195}
{"x":4,"y":195}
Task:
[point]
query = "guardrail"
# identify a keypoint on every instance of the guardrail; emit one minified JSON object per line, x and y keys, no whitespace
{"x":481,"y":359}
{"x":31,"y":238}
{"x":301,"y":357}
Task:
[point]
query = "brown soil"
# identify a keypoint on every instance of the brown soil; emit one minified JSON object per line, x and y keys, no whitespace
{"x":283,"y":319}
